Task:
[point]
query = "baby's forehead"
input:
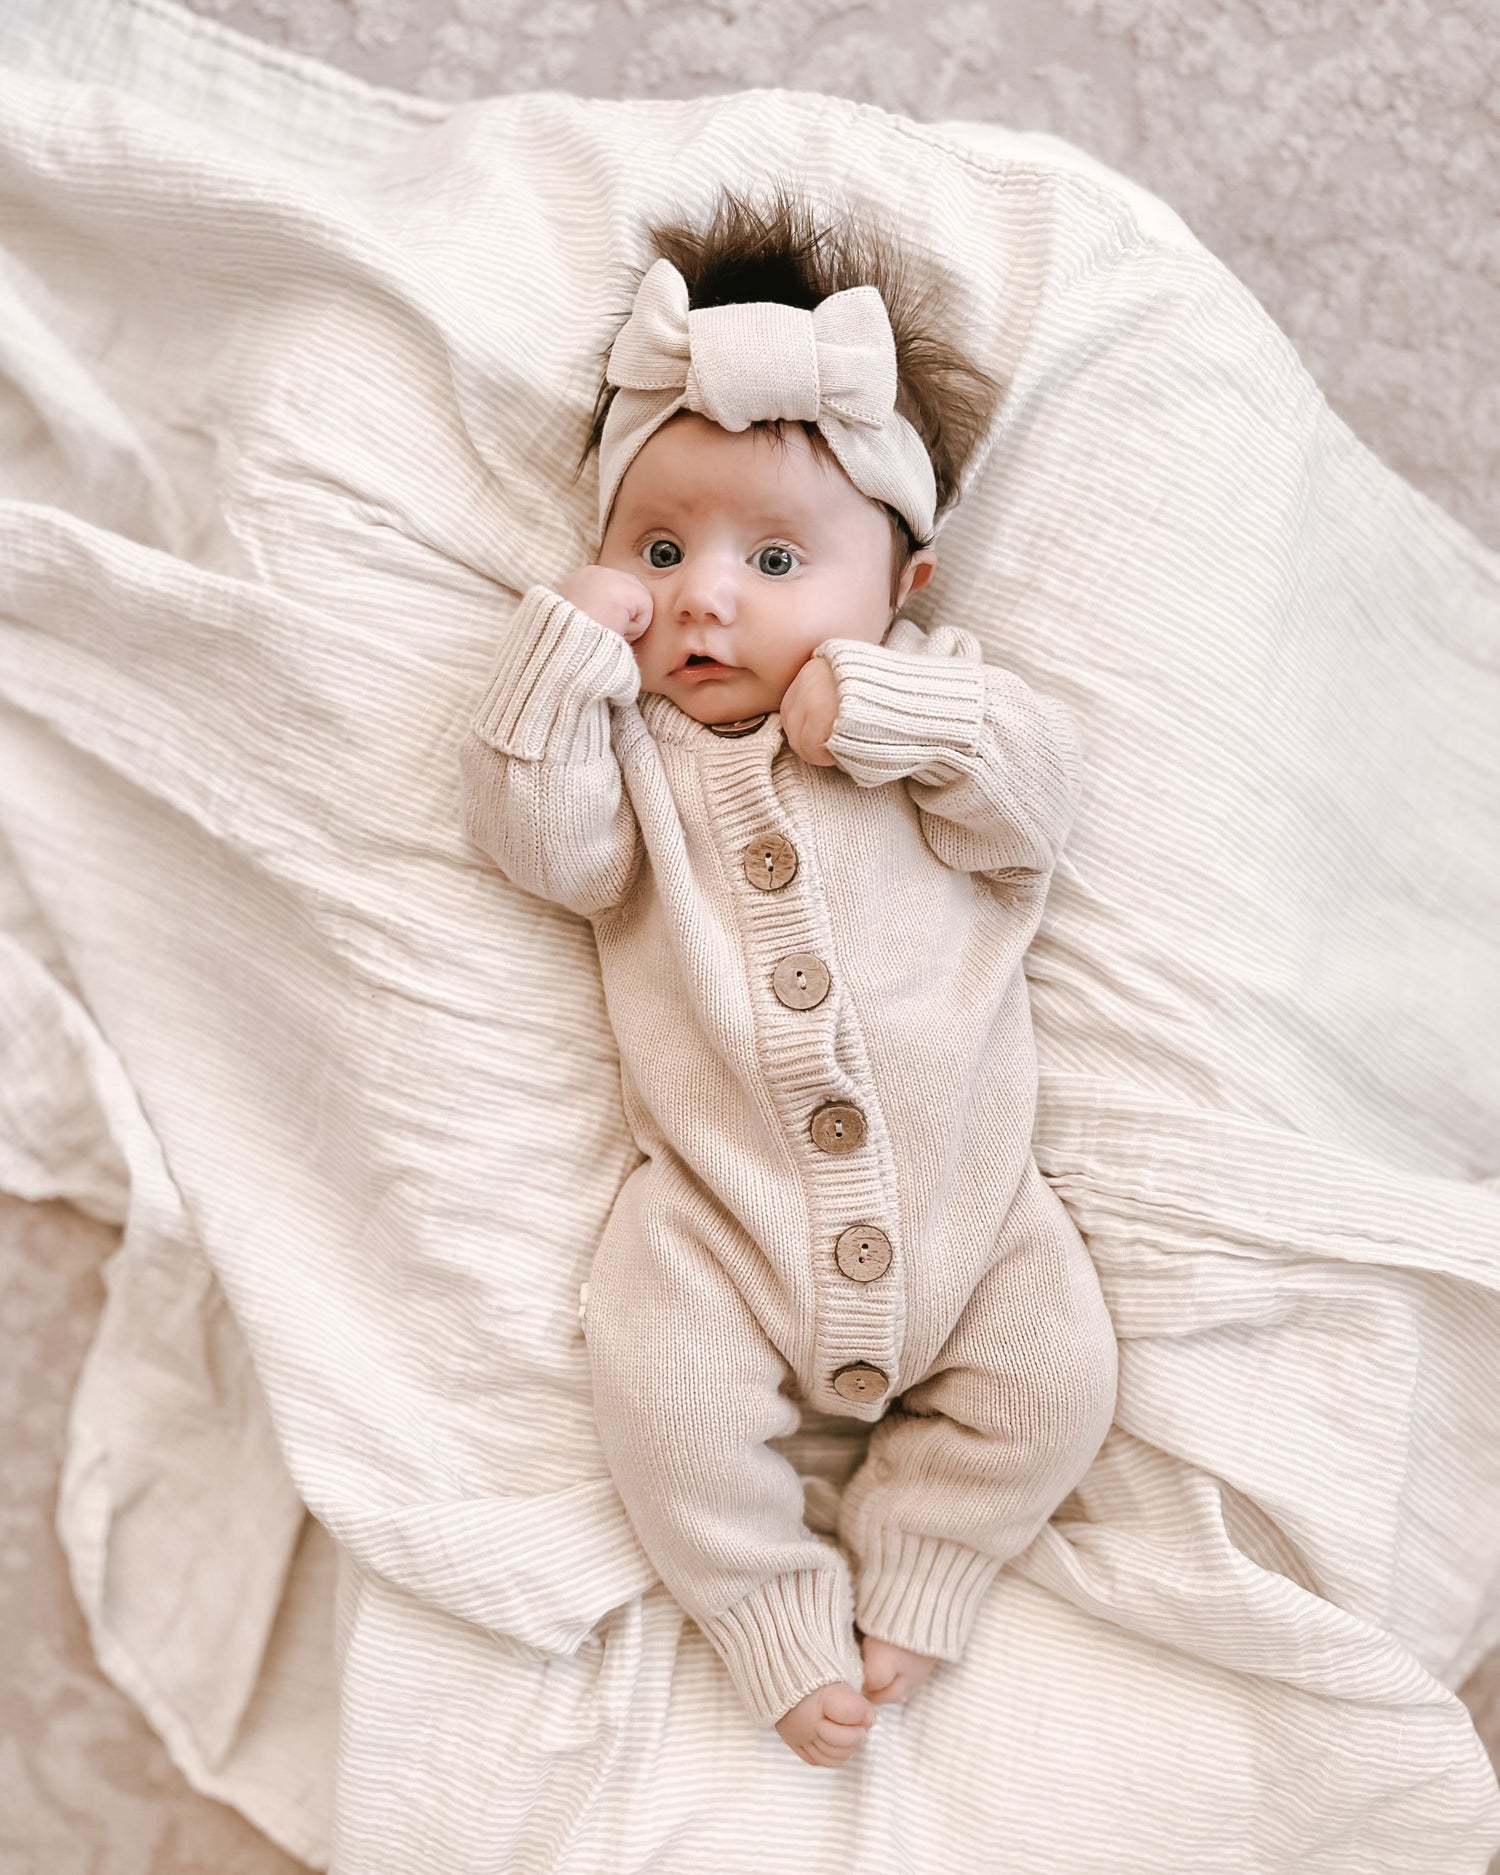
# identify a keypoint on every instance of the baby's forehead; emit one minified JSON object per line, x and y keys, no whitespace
{"x":697,"y":467}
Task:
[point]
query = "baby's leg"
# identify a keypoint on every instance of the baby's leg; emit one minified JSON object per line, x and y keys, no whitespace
{"x":687,"y":1390}
{"x":971,"y":1461}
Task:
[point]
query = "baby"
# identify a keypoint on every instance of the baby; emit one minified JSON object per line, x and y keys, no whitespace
{"x":813,"y":840}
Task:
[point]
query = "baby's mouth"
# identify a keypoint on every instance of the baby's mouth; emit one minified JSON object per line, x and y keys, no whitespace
{"x":701,"y":661}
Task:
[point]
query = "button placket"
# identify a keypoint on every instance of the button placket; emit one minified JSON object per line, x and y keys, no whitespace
{"x":858,"y":1326}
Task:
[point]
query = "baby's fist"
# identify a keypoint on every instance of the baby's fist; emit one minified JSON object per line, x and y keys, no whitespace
{"x":892,"y":1674}
{"x":827,"y":1725}
{"x":617,"y":600}
{"x":809,"y":710}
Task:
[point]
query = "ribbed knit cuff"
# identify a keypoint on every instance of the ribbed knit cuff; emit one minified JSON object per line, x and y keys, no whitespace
{"x":901,"y":711}
{"x":921,"y":1592}
{"x":550,"y":676}
{"x":787,"y":1639}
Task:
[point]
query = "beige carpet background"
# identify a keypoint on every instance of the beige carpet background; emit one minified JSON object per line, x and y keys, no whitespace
{"x":1343,"y":160}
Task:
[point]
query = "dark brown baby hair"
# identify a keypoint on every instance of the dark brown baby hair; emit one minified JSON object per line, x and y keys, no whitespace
{"x":776,"y":249}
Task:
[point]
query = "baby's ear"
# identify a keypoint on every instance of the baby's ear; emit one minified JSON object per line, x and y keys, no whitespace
{"x":914,"y":576}
{"x":918,"y":570}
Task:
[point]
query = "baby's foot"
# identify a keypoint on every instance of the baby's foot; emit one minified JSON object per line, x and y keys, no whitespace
{"x":892,"y":1674}
{"x":827,"y":1725}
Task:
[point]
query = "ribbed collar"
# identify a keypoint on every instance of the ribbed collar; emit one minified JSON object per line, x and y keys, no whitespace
{"x":668,"y":723}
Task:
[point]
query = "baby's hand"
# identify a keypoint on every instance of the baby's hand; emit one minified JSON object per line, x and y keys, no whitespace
{"x":617,"y":600}
{"x":809,"y":710}
{"x":826,"y":1726}
{"x":892,"y":1673}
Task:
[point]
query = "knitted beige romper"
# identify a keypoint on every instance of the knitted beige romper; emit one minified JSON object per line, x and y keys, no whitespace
{"x":826,"y":1055}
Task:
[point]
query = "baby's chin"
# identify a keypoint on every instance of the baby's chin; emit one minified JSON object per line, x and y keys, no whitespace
{"x":718,"y":700}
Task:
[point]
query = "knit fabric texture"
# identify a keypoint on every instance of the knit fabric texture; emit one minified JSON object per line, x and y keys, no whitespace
{"x":912,"y":873}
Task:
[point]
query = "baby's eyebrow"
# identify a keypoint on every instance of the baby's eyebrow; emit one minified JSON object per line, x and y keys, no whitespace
{"x":764,"y":521}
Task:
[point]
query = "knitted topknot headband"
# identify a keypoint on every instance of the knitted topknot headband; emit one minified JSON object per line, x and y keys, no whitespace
{"x":736,"y":365}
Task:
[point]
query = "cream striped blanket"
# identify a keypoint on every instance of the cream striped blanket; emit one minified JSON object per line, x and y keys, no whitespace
{"x":292,"y":377}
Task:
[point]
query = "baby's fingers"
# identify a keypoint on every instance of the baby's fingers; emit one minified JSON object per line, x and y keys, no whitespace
{"x":834,"y":1743}
{"x":826,"y":1748}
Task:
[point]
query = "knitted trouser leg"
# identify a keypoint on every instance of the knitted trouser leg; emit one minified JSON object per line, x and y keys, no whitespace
{"x":687,"y":1390}
{"x":970,"y":1462}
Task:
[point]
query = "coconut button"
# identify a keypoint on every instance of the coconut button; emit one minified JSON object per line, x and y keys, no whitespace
{"x":863,"y":1253}
{"x":801,"y":980}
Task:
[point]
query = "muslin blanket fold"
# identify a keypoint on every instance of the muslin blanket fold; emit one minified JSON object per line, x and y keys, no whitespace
{"x":293,"y":375}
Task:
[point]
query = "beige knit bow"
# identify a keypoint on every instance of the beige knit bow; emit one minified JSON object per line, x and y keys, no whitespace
{"x":736,"y":365}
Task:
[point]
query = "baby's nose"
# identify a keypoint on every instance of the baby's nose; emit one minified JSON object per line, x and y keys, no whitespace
{"x":706,"y":594}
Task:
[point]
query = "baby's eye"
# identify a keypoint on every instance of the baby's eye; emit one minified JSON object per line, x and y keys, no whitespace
{"x":663,"y":553}
{"x":776,"y":560}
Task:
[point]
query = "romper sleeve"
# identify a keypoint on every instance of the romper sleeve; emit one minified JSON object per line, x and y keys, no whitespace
{"x":542,"y":790}
{"x":993,"y":766}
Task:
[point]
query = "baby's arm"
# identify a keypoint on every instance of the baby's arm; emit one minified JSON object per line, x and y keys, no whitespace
{"x":542,"y":789}
{"x":993,"y":767}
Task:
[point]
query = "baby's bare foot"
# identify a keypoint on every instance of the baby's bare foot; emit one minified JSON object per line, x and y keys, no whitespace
{"x":892,"y":1674}
{"x":827,"y":1725}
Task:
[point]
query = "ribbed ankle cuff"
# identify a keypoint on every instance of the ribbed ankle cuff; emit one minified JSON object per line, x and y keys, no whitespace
{"x":921,"y":1592}
{"x":787,"y":1639}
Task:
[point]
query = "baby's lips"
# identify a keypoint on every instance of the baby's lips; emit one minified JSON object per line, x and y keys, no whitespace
{"x":703,"y":660}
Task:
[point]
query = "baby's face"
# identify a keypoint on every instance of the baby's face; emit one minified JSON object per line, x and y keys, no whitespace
{"x":753,"y":554}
